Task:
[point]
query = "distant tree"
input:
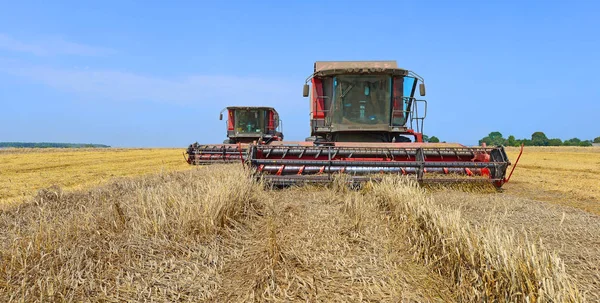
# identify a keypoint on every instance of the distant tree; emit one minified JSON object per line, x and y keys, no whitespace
{"x":555,"y":142}
{"x":572,"y":142}
{"x":597,"y":140}
{"x":539,"y":139}
{"x":494,"y":138}
{"x":432,"y":139}
{"x":585,"y":143}
{"x":511,"y":141}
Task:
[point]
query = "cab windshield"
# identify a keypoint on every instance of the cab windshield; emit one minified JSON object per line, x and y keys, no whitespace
{"x":362,"y":99}
{"x":250,"y":121}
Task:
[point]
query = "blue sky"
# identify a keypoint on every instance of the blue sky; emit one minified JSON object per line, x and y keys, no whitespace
{"x":156,"y":74}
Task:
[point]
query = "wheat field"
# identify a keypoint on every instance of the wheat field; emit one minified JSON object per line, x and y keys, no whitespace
{"x":156,"y":233}
{"x":24,"y":171}
{"x":561,"y":175}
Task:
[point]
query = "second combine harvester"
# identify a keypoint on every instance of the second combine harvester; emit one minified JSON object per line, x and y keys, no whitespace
{"x":245,"y":124}
{"x":365,"y":120}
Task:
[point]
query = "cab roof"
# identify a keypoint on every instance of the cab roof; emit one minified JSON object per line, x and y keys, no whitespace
{"x":251,"y":107}
{"x":328,"y":68}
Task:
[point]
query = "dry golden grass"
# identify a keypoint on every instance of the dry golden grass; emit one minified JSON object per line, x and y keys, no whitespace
{"x":316,"y":245}
{"x":24,"y":171}
{"x":206,"y":235}
{"x":563,"y":175}
{"x":153,"y":238}
{"x":573,"y":234}
{"x":212,"y":234}
{"x":487,"y":263}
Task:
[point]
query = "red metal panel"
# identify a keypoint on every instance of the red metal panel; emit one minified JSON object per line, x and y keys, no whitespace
{"x":231,"y":119}
{"x":271,"y":124}
{"x":398,"y":88}
{"x":317,"y":99}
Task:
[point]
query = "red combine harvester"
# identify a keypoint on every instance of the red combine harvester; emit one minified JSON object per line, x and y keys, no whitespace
{"x":365,"y":120}
{"x":245,"y":124}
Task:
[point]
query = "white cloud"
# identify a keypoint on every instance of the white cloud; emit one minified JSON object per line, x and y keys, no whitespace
{"x":51,"y":46}
{"x":126,"y":86}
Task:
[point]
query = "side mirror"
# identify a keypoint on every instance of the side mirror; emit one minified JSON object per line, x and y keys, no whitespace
{"x":305,"y":90}
{"x":221,"y":116}
{"x":422,"y":89}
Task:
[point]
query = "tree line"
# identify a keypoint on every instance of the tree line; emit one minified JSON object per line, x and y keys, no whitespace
{"x":432,"y":139}
{"x":50,"y":145}
{"x":537,"y":139}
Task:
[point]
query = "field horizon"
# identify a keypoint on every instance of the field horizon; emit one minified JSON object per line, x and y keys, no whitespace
{"x":542,"y":173}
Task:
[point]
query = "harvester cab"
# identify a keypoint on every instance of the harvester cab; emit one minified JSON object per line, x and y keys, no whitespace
{"x":367,"y":101}
{"x":245,"y":125}
{"x":366,"y":121}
